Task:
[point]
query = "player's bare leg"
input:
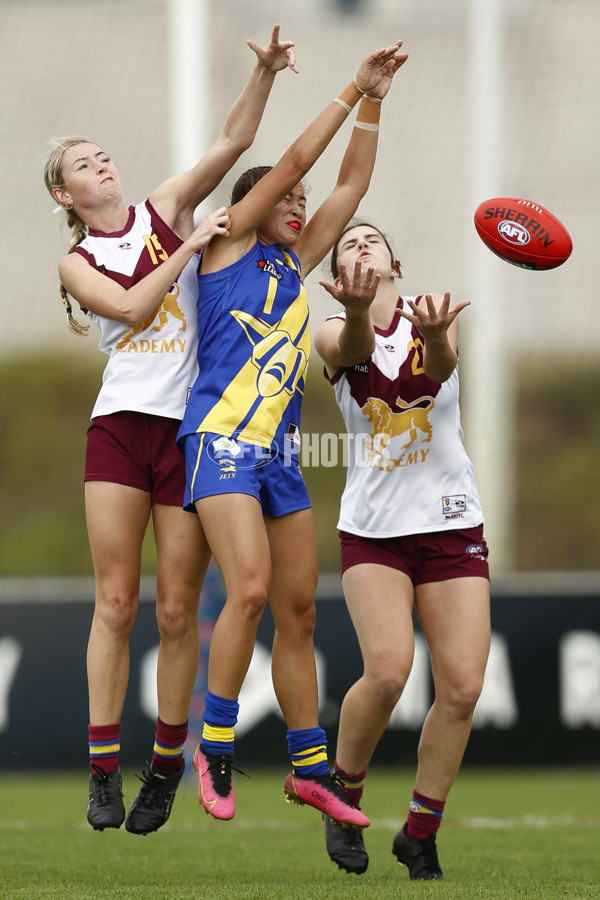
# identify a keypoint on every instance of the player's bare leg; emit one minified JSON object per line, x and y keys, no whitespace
{"x":182,"y":560}
{"x":236,"y":533}
{"x":455,"y":617}
{"x":385,"y":634}
{"x":117,"y":517}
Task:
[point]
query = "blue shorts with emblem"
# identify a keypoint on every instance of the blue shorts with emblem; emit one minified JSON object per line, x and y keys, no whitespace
{"x":215,"y":464}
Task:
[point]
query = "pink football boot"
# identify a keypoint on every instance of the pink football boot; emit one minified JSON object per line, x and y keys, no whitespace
{"x":322,"y":792}
{"x":215,"y":785}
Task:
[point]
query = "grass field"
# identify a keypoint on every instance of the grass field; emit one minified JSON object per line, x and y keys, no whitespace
{"x":508,"y":834}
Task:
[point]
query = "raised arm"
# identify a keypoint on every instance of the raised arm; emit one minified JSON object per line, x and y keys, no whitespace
{"x":348,"y":341}
{"x":251,"y":210}
{"x":355,"y":172}
{"x":176,"y":199}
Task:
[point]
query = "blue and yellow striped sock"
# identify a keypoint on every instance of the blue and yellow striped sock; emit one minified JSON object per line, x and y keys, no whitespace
{"x":220,"y":715}
{"x":308,"y":751}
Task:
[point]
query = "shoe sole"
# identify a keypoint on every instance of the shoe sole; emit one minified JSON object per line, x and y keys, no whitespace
{"x":106,"y":825}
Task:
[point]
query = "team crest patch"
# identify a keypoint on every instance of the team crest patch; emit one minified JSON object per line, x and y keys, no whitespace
{"x":454,"y":505}
{"x":265,"y":265}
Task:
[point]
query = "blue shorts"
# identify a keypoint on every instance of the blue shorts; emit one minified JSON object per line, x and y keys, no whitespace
{"x":220,"y":465}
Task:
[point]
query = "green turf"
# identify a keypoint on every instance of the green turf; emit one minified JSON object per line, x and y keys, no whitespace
{"x":509,"y":835}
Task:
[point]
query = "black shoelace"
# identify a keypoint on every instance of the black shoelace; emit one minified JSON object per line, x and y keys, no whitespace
{"x":107,"y":789}
{"x":220,"y":768}
{"x":154,"y":788}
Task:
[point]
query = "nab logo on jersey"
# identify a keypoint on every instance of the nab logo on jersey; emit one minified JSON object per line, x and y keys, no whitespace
{"x":265,"y":265}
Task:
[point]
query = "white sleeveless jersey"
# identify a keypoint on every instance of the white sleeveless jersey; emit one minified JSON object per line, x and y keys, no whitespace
{"x":408,"y":472}
{"x":152,"y":365}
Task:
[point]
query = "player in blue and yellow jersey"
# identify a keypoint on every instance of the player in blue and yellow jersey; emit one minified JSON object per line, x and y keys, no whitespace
{"x":241,"y":435}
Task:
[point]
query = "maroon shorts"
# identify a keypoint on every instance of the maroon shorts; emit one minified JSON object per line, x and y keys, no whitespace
{"x":434,"y":556}
{"x":138,"y":450}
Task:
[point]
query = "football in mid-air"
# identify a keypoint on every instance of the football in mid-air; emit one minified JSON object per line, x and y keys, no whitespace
{"x":523,"y":233}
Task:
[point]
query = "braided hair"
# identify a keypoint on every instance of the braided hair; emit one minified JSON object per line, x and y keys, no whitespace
{"x":53,"y":178}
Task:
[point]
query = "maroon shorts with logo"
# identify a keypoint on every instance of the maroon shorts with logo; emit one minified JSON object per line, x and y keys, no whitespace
{"x":433,"y":556}
{"x":139,"y":450}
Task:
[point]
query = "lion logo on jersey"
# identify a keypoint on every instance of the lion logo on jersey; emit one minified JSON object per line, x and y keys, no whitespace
{"x":167,"y":307}
{"x":413,"y":418}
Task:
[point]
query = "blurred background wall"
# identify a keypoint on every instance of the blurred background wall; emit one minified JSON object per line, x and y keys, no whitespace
{"x":496,"y":99}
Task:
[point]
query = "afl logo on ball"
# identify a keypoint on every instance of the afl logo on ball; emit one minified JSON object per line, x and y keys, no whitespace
{"x":513,"y":232}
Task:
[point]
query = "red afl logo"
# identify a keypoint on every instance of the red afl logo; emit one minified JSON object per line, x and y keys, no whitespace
{"x":513,"y":232}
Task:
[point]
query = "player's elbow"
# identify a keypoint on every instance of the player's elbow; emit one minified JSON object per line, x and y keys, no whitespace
{"x":237,"y":142}
{"x":297,"y":161}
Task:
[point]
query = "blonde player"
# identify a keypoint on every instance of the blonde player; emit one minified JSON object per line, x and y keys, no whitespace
{"x":133,"y":270}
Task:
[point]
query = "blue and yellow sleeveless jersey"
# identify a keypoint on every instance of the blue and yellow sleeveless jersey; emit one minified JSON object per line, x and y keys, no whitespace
{"x":253,"y":350}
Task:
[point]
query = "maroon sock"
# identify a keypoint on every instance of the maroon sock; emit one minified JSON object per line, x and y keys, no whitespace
{"x":424,"y":816}
{"x":105,"y":744}
{"x":169,"y":741}
{"x":352,"y":785}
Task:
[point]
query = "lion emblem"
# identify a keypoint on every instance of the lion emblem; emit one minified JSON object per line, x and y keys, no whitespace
{"x":167,"y":307}
{"x":412,"y":419}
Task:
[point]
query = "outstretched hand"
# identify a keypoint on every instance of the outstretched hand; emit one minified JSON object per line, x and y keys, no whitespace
{"x":375,"y":74}
{"x":277,"y":55}
{"x":431,"y":321}
{"x":387,"y":73}
{"x":356,"y":295}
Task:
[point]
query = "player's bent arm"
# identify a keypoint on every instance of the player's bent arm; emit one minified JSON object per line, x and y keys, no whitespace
{"x":345,"y":342}
{"x":103,"y":296}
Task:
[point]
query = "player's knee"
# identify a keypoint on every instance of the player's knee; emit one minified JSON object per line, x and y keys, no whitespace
{"x":387,"y":685}
{"x":250,"y":606}
{"x":175,"y":620}
{"x":464,"y":694}
{"x":116,"y":612}
{"x":297,"y":618}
